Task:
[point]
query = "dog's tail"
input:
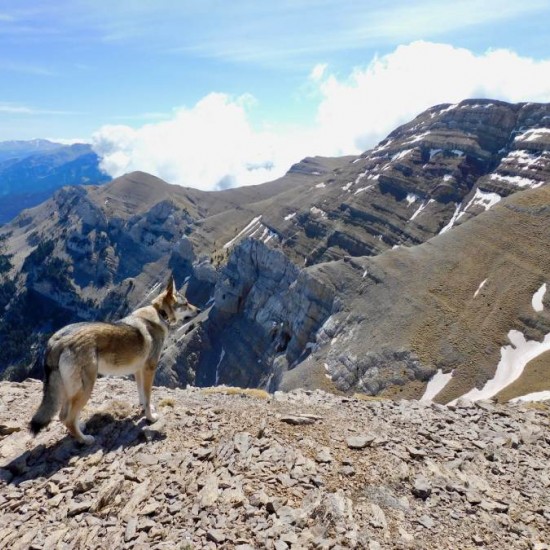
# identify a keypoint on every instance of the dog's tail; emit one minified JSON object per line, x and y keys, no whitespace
{"x":51,"y":397}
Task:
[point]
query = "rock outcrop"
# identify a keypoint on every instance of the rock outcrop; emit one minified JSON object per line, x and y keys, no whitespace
{"x":238,"y":469}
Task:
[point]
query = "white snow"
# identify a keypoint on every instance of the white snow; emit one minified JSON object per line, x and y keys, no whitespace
{"x":318,"y":212}
{"x":290,"y":216}
{"x":244,"y":231}
{"x":535,"y":396}
{"x":419,"y":137}
{"x":361,"y":189}
{"x":449,"y":108}
{"x":513,"y":359}
{"x":222,"y":355}
{"x":153,"y":288}
{"x":401,"y":154}
{"x":347,"y":186}
{"x":365,"y":273}
{"x":521,"y":157}
{"x":533,"y":134}
{"x":518,"y":180}
{"x":453,"y":219}
{"x":447,"y":177}
{"x":536,"y":301}
{"x":320,"y":185}
{"x":410,"y":198}
{"x":419,"y":209}
{"x":482,"y":198}
{"x":458,"y":152}
{"x":436,"y":384}
{"x":380,"y":147}
{"x":481,"y":285}
{"x":360,"y":177}
{"x":434,"y":152}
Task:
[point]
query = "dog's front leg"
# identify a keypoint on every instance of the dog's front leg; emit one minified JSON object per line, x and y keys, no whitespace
{"x":138,"y":375}
{"x":148,"y":375}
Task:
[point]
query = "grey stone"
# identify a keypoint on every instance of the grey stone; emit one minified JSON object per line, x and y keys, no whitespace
{"x":360,"y":442}
{"x":422,"y":488}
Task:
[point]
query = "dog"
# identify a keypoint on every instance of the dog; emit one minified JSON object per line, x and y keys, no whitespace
{"x":78,"y":352}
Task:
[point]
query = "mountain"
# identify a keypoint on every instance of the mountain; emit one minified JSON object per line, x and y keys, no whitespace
{"x":31,"y":171}
{"x":353,"y":274}
{"x":21,"y":149}
{"x":231,"y":468}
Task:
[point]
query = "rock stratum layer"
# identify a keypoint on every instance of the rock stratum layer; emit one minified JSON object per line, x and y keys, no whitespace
{"x":237,"y":469}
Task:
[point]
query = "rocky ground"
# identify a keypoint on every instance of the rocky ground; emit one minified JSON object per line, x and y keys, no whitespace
{"x":244,"y":470}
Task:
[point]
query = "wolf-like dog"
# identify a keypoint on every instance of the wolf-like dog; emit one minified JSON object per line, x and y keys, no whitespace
{"x":77,"y":353}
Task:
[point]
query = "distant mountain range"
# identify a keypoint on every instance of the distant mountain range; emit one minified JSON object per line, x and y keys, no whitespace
{"x":31,"y":170}
{"x":418,"y":268}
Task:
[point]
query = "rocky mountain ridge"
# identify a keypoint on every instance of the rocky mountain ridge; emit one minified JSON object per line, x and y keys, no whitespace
{"x":30,"y":172}
{"x":353,"y":273}
{"x":240,"y":469}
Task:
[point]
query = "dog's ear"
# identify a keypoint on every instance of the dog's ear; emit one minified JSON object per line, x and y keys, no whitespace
{"x":171,"y":286}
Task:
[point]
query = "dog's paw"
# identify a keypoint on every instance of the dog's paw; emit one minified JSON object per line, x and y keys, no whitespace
{"x":87,"y":439}
{"x":152,"y":417}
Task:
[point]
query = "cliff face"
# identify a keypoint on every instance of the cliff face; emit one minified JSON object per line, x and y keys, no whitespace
{"x":351,"y":273}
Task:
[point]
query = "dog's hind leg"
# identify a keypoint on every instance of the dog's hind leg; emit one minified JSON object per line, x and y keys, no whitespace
{"x":79,"y":388}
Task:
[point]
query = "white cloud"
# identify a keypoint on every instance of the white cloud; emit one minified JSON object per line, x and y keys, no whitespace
{"x":392,"y":89}
{"x":214,"y":145}
{"x":210,"y":146}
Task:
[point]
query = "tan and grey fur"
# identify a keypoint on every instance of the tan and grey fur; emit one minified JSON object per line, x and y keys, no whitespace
{"x":77,"y":353}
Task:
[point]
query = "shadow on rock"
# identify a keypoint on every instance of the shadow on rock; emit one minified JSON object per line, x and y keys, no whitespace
{"x":110,"y":434}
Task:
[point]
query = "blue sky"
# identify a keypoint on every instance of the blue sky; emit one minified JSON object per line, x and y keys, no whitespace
{"x":134,"y":75}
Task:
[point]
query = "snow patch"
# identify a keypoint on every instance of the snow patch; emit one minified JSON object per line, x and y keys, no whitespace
{"x":318,"y":212}
{"x":436,"y":384}
{"x":481,"y":285}
{"x":453,"y":219}
{"x":420,"y":209}
{"x":217,"y":379}
{"x":513,"y":359}
{"x":419,"y":137}
{"x":518,"y":180}
{"x":434,"y":152}
{"x":361,"y":189}
{"x":482,"y":198}
{"x":290,"y":216}
{"x":320,"y":185}
{"x":521,"y":157}
{"x":533,"y":134}
{"x":401,"y":154}
{"x":347,"y":186}
{"x":411,"y":198}
{"x":249,"y":227}
{"x":535,"y":396}
{"x":536,"y":301}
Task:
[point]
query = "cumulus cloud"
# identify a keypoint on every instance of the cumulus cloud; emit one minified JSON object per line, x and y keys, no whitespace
{"x":214,"y":145}
{"x":209,"y":146}
{"x":392,"y":89}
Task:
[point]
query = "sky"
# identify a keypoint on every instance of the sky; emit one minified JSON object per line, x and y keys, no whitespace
{"x":216,"y":93}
